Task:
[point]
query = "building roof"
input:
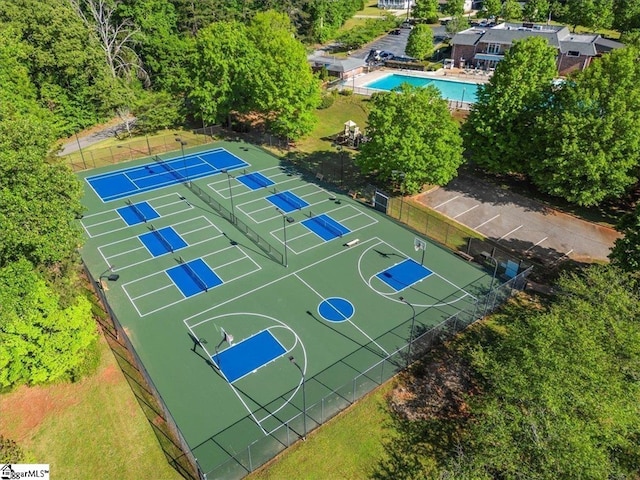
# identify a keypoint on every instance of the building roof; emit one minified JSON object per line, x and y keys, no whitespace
{"x":558,"y":36}
{"x":334,"y":64}
{"x":605,"y":45}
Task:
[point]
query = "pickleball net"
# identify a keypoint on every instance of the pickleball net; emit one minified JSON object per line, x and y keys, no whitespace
{"x":137,"y":211}
{"x":194,"y":275}
{"x":326,"y":225}
{"x":285,"y":197}
{"x":260,"y":180}
{"x":161,"y":237}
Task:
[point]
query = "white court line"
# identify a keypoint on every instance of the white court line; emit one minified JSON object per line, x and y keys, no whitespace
{"x":536,"y":244}
{"x":466,"y":211}
{"x":352,"y":323}
{"x":484,"y":223}
{"x":509,"y":233}
{"x":246,"y":256}
{"x":444,"y":203}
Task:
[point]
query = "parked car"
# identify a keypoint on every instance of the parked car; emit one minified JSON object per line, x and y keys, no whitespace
{"x":395,"y":32}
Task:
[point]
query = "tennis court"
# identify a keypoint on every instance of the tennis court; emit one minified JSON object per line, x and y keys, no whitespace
{"x":237,"y":344}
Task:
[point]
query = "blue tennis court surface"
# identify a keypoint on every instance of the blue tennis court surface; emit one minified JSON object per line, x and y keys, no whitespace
{"x":194,"y":277}
{"x":137,"y":213}
{"x":404,"y":274}
{"x":162,"y":241}
{"x":151,"y":176}
{"x":325,"y":227}
{"x":250,"y":354}
{"x":255,"y":181}
{"x":287,"y":201}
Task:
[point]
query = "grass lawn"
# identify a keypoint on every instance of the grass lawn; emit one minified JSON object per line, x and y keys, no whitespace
{"x":331,"y":122}
{"x":348,"y":446}
{"x":91,"y":429}
{"x":371,"y":8}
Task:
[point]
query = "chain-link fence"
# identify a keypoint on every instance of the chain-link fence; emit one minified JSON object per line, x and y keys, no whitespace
{"x":88,"y":158}
{"x":167,"y":432}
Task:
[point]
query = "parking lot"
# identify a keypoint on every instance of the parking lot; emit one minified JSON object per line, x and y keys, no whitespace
{"x":520,"y":223}
{"x":394,"y":43}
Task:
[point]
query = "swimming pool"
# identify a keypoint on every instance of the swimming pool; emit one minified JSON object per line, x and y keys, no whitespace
{"x":450,"y":89}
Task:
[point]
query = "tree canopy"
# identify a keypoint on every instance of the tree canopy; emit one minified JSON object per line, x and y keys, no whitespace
{"x":555,"y":391}
{"x":591,"y":133}
{"x":420,"y":42}
{"x":411,"y":133}
{"x":498,"y":132}
{"x":39,"y":341}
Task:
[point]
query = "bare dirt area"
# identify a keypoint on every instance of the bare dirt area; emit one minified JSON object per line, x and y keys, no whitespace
{"x":24,"y":409}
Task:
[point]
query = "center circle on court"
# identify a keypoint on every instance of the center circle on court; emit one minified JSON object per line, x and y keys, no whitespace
{"x":336,"y":309}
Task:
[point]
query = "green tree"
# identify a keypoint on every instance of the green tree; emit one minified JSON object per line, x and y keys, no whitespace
{"x":590,"y":135}
{"x":453,"y":8}
{"x":39,"y":341}
{"x":492,"y":8}
{"x":626,"y":15}
{"x":64,"y":61}
{"x":222,"y":70}
{"x":39,"y":201}
{"x":456,"y":24}
{"x":631,"y":38}
{"x":284,"y":90}
{"x":594,"y":14}
{"x":498,"y":132}
{"x":511,"y":10}
{"x":625,"y":253}
{"x":586,"y":348}
{"x":411,"y":134}
{"x":158,"y":110}
{"x":536,"y":10}
{"x":420,"y":42}
{"x":426,"y":10}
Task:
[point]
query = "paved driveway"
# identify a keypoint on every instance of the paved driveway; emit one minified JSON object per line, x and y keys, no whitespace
{"x":518,"y":222}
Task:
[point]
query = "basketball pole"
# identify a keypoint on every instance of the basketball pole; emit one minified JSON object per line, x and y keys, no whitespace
{"x":422,"y":261}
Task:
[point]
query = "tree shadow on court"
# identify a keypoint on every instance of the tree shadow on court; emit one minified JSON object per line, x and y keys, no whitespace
{"x":334,"y":171}
{"x":362,"y":345}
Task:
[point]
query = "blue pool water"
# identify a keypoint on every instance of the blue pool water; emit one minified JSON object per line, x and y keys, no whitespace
{"x":449,"y":89}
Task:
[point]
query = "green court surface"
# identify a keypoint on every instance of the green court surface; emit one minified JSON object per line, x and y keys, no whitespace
{"x":272,"y":312}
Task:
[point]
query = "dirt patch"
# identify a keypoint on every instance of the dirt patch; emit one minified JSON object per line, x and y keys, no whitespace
{"x":111,"y":375}
{"x":434,"y":388}
{"x":27,"y":407}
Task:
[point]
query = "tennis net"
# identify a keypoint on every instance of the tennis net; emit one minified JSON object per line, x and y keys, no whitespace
{"x":194,"y":275}
{"x":160,"y":237}
{"x":326,"y":225}
{"x":169,"y":168}
{"x":137,"y":211}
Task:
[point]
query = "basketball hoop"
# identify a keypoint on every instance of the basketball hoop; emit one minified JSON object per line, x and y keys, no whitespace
{"x":420,"y":244}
